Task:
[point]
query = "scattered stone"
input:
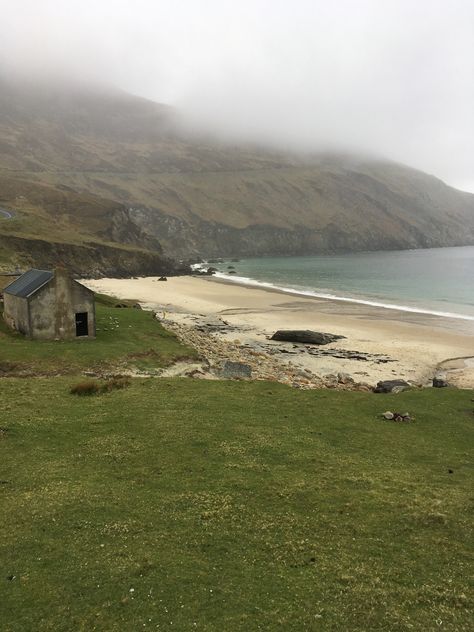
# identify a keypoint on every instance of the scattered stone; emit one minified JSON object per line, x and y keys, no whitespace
{"x":137,"y":306}
{"x":197,"y":373}
{"x":391,"y":386}
{"x":121,"y":305}
{"x":344,"y":378}
{"x":233,"y":370}
{"x":402,"y":417}
{"x":162,"y":278}
{"x":399,"y":389}
{"x":217,"y":325}
{"x":306,"y":336}
{"x":345,"y":354}
{"x":330,"y":380}
{"x":267,"y":360}
{"x":389,"y":416}
{"x":362,"y":387}
{"x":439,"y":380}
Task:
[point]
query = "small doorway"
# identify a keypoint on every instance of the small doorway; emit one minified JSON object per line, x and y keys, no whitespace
{"x":82,"y":328}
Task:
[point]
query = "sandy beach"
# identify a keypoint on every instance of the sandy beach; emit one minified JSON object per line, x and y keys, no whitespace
{"x":379,"y":343}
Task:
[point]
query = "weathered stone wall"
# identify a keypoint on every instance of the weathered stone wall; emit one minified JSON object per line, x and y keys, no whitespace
{"x":82,"y":300}
{"x":53,"y":308}
{"x":15,"y":313}
{"x":41,"y":306}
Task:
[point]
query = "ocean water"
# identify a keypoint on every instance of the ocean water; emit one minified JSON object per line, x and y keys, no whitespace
{"x":436,"y":280}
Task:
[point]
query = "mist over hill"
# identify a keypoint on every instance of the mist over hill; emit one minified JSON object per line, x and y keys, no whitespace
{"x":163,"y":188}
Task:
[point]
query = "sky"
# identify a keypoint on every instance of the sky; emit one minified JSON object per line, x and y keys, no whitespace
{"x":384,"y":77}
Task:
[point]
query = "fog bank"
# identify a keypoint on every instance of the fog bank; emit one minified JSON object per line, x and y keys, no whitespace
{"x":394,"y":78}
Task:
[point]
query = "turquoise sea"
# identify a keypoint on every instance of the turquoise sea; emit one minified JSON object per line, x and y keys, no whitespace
{"x":436,"y":280}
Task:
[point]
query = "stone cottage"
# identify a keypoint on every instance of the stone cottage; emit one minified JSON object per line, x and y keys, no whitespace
{"x":49,"y":305}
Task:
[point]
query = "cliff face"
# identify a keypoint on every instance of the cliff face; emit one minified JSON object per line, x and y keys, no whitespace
{"x":93,"y":260}
{"x":314,"y":210}
{"x":117,"y":169}
{"x":91,"y":236}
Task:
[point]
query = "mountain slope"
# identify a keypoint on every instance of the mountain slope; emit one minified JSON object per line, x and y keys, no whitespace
{"x":196,"y":196}
{"x":93,"y":236}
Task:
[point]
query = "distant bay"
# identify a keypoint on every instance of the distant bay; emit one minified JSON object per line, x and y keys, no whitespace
{"x":435,"y":280}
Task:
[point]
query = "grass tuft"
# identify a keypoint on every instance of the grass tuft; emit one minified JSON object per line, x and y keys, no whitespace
{"x":93,"y":387}
{"x":89,"y":387}
{"x":116,"y":383}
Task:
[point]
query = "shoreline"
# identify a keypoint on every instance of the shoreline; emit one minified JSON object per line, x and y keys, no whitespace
{"x":390,"y":307}
{"x":413,"y":344}
{"x":246,"y":282}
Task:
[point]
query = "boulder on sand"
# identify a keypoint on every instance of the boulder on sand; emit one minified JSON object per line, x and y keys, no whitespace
{"x":306,"y":336}
{"x":391,"y":386}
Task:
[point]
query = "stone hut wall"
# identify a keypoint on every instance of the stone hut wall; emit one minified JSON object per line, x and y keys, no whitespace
{"x":42,"y":307}
{"x":15,"y":313}
{"x":53,"y":308}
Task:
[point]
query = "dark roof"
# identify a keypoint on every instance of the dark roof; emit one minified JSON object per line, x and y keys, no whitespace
{"x":29,"y":283}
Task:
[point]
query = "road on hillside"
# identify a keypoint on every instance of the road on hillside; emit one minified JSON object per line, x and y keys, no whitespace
{"x":5,"y":214}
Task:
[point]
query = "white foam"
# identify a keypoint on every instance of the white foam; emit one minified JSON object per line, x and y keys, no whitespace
{"x":335,"y":297}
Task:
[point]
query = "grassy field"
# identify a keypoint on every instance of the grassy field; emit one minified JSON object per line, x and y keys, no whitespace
{"x":229,"y":506}
{"x":126,"y":338}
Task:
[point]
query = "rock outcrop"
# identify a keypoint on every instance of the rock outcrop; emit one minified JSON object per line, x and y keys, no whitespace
{"x":89,"y":260}
{"x":391,"y":386}
{"x":305,"y":336}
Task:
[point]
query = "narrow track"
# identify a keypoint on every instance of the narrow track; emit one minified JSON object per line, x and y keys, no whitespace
{"x":5,"y":214}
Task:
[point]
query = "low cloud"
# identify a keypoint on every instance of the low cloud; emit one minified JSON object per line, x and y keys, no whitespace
{"x":388,"y":77}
